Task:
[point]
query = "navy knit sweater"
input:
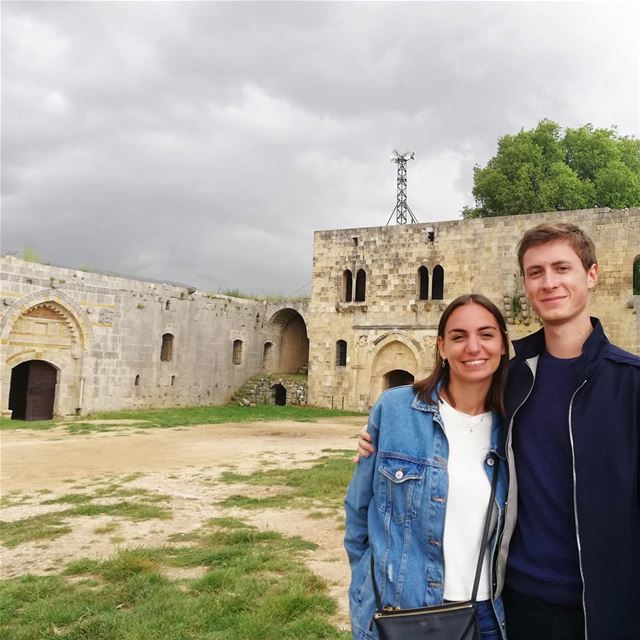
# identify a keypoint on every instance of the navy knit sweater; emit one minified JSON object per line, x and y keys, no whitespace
{"x":543,"y":555}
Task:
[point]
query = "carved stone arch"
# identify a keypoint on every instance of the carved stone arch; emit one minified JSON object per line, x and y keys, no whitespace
{"x":393,"y":351}
{"x":47,"y":327}
{"x":411,"y":342}
{"x":74,"y":316}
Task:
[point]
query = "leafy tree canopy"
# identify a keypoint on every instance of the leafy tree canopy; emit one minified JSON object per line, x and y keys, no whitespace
{"x":548,"y":169}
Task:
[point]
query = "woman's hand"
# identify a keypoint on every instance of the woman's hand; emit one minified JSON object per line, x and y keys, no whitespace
{"x":365,"y":448}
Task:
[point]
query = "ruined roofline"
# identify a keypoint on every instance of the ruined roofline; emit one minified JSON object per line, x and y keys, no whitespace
{"x":472,"y":221}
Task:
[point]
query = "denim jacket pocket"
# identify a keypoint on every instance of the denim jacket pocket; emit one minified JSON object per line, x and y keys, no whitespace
{"x":400,"y":486}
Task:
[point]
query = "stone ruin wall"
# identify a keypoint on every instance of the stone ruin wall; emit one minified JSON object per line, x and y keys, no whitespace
{"x":101,"y":331}
{"x":392,"y":330}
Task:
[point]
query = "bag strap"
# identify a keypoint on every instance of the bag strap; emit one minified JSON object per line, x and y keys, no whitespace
{"x":483,"y":545}
{"x":492,"y":461}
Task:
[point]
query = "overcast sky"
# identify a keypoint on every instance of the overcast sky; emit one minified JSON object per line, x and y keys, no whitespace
{"x":204,"y":142}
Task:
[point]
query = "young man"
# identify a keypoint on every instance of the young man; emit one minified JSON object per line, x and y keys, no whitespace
{"x":570,"y":563}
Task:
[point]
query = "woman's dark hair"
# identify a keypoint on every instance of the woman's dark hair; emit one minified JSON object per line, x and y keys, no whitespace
{"x":495,"y":398}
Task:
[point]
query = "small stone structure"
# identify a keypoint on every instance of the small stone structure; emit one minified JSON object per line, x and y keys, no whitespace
{"x":269,"y":388}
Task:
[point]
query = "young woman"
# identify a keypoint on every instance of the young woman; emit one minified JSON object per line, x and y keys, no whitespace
{"x":419,"y":503}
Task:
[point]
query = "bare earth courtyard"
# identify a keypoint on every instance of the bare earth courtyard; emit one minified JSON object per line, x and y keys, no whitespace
{"x":182,"y":465}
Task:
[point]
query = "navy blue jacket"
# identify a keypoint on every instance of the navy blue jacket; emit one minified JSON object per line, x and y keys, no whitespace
{"x":604,"y":428}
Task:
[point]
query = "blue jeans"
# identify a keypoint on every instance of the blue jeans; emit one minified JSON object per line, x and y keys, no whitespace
{"x":489,"y":629}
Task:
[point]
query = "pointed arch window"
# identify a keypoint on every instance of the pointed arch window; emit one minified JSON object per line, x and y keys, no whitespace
{"x":237,"y":352}
{"x":437,"y":287}
{"x":636,"y":276}
{"x":347,"y":286}
{"x":361,"y":285}
{"x":341,"y":353}
{"x":166,"y":349}
{"x":423,"y":283}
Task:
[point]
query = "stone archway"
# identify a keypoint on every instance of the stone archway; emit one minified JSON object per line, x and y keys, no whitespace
{"x":47,"y":330}
{"x":394,"y":361}
{"x":293,"y":351}
{"x":32,"y":390}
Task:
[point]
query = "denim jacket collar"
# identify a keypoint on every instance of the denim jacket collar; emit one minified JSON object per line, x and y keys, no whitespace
{"x":432,"y":407}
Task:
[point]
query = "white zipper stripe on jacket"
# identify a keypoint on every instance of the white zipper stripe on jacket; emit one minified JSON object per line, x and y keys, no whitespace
{"x":492,"y":577}
{"x":575,"y":510}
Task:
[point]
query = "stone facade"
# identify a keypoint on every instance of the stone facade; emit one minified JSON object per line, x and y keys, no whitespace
{"x":390,"y":334}
{"x":110,"y":342}
{"x":104,"y":337}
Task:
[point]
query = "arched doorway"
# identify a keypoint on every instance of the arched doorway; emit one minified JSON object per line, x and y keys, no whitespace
{"x":394,"y":364}
{"x":279,"y":394}
{"x":293,"y":356}
{"x":397,"y":378}
{"x":32,"y":391}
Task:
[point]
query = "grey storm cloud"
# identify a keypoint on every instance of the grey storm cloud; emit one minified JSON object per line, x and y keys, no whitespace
{"x":204,"y":142}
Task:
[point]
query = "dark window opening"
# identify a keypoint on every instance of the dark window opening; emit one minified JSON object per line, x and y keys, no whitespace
{"x":347,"y":286}
{"x":636,"y":276}
{"x":237,"y":352}
{"x":355,"y":241}
{"x":279,"y":394}
{"x":166,"y":350}
{"x":136,"y":382}
{"x":361,"y":285}
{"x":173,"y":380}
{"x":437,"y":287}
{"x":341,"y":353}
{"x":167,"y":305}
{"x":423,"y":283}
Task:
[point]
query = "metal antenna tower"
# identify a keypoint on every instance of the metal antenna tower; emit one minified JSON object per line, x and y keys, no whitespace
{"x":402,"y":208}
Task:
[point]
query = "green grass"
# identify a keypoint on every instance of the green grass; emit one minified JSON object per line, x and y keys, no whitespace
{"x":255,"y":586}
{"x":48,"y":526}
{"x":322,"y":485}
{"x":185,"y":416}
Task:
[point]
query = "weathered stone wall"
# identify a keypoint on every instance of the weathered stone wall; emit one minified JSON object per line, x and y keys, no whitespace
{"x":102,"y":332}
{"x":393,"y":330}
{"x":260,"y":389}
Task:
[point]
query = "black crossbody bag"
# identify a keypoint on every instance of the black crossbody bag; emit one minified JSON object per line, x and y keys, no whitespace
{"x":450,"y":621}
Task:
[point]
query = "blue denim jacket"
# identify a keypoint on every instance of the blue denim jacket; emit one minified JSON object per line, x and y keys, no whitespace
{"x":395,"y":508}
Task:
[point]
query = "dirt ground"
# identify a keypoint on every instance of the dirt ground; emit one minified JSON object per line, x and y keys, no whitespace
{"x":182,"y":463}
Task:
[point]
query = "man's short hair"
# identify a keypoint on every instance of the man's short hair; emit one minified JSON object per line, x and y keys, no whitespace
{"x":580,"y":242}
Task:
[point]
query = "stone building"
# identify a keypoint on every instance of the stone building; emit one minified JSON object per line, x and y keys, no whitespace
{"x":73,"y":342}
{"x":377,"y":294}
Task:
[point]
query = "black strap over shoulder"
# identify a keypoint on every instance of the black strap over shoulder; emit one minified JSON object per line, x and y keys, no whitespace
{"x":493,"y":460}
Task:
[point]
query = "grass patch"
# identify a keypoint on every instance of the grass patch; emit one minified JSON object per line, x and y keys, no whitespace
{"x":46,"y":526}
{"x":185,"y":416}
{"x":322,"y":485}
{"x":87,"y":427}
{"x":110,"y":527}
{"x":52,"y":525}
{"x":255,"y":585}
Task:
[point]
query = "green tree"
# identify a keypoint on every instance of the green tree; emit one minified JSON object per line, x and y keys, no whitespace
{"x":547,"y":169}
